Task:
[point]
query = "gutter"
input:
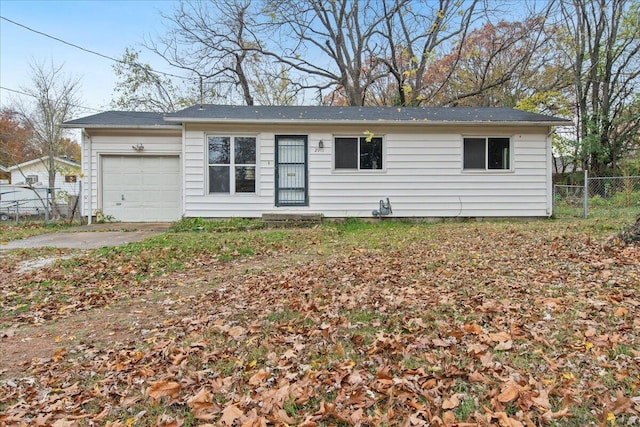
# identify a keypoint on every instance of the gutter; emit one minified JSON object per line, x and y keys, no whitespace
{"x":113,"y":126}
{"x":364,"y":122}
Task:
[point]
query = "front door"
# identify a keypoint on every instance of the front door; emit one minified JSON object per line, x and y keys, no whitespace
{"x":291,"y":171}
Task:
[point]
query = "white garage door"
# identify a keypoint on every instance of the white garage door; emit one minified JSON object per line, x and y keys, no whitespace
{"x":141,"y":188}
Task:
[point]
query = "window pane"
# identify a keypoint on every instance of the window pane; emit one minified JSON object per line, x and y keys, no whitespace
{"x":245,"y":150}
{"x":245,"y":179}
{"x":498,"y":153}
{"x":219,"y":149}
{"x":371,"y":153}
{"x":474,"y":153}
{"x":218,"y":179}
{"x":346,"y":153}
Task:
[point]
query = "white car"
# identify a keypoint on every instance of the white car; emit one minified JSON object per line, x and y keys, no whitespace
{"x":21,"y":200}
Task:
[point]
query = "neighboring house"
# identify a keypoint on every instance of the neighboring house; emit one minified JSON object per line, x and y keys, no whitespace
{"x":35,"y":173}
{"x":245,"y":161}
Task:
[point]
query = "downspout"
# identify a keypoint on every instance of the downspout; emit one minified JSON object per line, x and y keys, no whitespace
{"x":549,"y":173}
{"x":89,"y":175}
{"x":183,"y":168}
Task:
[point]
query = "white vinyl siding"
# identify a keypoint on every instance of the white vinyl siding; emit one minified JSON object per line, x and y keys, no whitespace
{"x":422,"y":175}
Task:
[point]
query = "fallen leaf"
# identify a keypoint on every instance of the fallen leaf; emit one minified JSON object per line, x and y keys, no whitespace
{"x":259,"y":377}
{"x":236,"y":331}
{"x":508,"y":393}
{"x":472,"y":328}
{"x":621,"y":311}
{"x":229,"y":415}
{"x":451,"y":402}
{"x":504,"y":345}
{"x":161,"y":389}
{"x":282,"y":417}
{"x":542,"y":400}
{"x":500,"y":337}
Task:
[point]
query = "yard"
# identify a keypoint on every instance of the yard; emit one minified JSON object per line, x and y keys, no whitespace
{"x":452,"y":324}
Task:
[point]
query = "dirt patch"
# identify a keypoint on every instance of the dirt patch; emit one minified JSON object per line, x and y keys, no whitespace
{"x":128,"y":321}
{"x":124,"y":322}
{"x":38,"y":263}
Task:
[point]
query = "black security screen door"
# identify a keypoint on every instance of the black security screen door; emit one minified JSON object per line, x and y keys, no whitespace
{"x":291,"y":171}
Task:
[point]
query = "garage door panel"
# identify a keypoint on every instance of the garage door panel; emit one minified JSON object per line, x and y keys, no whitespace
{"x":141,"y":188}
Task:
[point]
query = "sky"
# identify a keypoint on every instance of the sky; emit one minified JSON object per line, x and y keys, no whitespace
{"x":106,"y":27}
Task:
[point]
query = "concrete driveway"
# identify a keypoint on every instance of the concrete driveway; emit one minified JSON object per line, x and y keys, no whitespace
{"x":91,"y":237}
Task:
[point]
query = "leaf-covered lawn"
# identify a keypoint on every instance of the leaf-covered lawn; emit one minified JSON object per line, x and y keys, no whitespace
{"x":450,"y":324}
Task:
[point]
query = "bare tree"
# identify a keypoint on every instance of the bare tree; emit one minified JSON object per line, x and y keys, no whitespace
{"x":603,"y":44}
{"x":416,"y":33}
{"x":214,"y":41}
{"x":272,"y":84}
{"x":55,"y":100}
{"x":336,"y":44}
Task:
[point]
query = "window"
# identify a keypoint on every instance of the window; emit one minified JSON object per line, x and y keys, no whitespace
{"x":70,"y":178}
{"x":357,"y":153}
{"x":232,"y":164}
{"x":32,"y":179}
{"x":487,"y":153}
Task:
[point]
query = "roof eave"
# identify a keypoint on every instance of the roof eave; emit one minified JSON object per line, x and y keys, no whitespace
{"x":102,"y":126}
{"x":371,"y":122}
{"x":42,"y":159}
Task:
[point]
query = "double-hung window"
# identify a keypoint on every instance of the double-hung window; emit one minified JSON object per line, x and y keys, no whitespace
{"x":358,"y":153}
{"x":232,"y":164}
{"x":487,"y":153}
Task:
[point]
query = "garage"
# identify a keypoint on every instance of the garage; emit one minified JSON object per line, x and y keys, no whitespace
{"x":141,"y":188}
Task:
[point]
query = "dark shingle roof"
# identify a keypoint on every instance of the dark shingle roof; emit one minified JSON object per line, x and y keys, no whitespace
{"x":418,"y":115}
{"x":121,"y":119}
{"x":314,"y":114}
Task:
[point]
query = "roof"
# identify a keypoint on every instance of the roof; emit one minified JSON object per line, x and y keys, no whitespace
{"x":122,"y":119}
{"x":315,"y":115}
{"x":352,"y":115}
{"x":3,"y":169}
{"x":43,"y":159}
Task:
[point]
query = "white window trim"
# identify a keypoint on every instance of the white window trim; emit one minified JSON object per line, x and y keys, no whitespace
{"x":358,"y":170}
{"x":232,"y":184}
{"x":486,"y":170}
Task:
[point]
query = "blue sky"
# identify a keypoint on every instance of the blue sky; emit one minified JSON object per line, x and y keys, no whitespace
{"x":107,"y":27}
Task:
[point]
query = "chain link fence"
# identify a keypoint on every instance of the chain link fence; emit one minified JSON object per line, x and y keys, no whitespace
{"x":615,"y":196}
{"x":19,"y":203}
{"x":568,"y":201}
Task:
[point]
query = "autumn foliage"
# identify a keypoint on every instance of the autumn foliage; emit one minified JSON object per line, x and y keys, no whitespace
{"x":463,"y":324}
{"x":15,"y":140}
